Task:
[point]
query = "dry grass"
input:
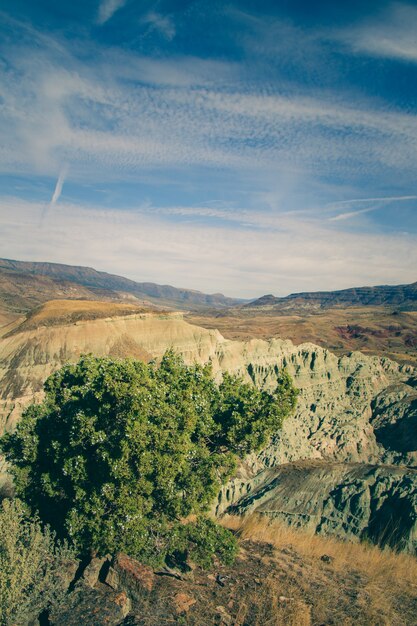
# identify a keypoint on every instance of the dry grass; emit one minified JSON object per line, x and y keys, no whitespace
{"x":354,"y":584}
{"x":385,"y":565}
{"x":57,"y":312}
{"x":59,"y":308}
{"x":267,"y":607}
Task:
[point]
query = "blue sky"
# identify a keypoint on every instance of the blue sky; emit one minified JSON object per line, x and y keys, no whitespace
{"x":243,"y":147}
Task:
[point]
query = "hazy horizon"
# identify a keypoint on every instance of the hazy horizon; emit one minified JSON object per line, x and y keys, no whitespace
{"x":243,"y":148}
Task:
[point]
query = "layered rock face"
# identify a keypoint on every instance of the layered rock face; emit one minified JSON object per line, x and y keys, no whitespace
{"x":349,"y":500}
{"x":351,"y":409}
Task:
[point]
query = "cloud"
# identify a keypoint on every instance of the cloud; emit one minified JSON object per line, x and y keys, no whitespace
{"x":163,"y":24}
{"x":391,"y":36}
{"x":114,"y":115}
{"x":205,"y":129}
{"x":107,"y":9}
{"x":378,"y":199}
{"x":290,"y":254}
{"x":56,"y":194}
{"x":350,"y":214}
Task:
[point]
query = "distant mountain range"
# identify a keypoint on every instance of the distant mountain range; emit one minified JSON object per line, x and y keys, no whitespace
{"x":402,"y":296}
{"x":24,"y":285}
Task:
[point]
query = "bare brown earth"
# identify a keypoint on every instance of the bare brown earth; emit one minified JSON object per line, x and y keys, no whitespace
{"x":372,"y":330}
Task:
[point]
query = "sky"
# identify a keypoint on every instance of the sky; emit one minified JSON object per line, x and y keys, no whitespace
{"x":239,"y":147}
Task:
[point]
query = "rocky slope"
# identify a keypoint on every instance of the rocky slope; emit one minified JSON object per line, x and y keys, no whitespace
{"x":284,"y":579}
{"x":351,"y":409}
{"x":352,"y":501}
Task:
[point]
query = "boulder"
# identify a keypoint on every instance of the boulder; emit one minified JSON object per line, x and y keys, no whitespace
{"x":92,"y":571}
{"x":112,"y":578}
{"x":135,"y":578}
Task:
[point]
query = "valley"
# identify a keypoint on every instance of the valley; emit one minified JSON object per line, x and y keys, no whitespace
{"x":374,"y":330}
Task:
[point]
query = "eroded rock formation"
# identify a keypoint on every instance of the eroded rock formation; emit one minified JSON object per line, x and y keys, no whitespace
{"x":351,"y":409}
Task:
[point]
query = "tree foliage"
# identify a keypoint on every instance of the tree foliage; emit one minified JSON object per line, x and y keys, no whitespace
{"x":120,"y":451}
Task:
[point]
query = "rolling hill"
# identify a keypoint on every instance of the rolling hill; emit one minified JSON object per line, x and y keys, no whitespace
{"x":24,"y":285}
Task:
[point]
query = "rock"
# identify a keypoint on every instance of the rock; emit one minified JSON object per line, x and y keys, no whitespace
{"x":221,"y":580}
{"x":135,"y":578}
{"x":92,"y":571}
{"x":349,"y":500}
{"x":123,"y":601}
{"x":223,"y":617}
{"x":89,"y":606}
{"x":326,"y":558}
{"x":112,"y":578}
{"x":171,"y":572}
{"x":183,"y":602}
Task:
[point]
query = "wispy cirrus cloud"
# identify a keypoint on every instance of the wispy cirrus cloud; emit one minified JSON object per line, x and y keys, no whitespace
{"x":349,"y":214}
{"x":107,"y":9}
{"x":390,"y":35}
{"x":162,"y":24}
{"x":385,"y":199}
{"x":123,"y":112}
{"x":58,"y":187}
{"x":98,"y":118}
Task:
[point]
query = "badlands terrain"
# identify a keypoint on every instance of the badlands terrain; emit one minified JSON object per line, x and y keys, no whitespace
{"x":343,"y":467}
{"x":344,"y":464}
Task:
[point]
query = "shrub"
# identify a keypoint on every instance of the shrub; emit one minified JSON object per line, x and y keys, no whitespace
{"x":120,"y":451}
{"x":31,"y":565}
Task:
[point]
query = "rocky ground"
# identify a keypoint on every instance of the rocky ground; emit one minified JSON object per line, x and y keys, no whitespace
{"x":281,"y":581}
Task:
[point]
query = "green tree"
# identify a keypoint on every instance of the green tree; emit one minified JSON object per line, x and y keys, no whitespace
{"x":119,"y":451}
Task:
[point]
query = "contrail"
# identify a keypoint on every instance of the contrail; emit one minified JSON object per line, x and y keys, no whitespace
{"x":380,"y":203}
{"x":346,"y":216}
{"x":361,"y":200}
{"x":58,"y":187}
{"x":57,"y":193}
